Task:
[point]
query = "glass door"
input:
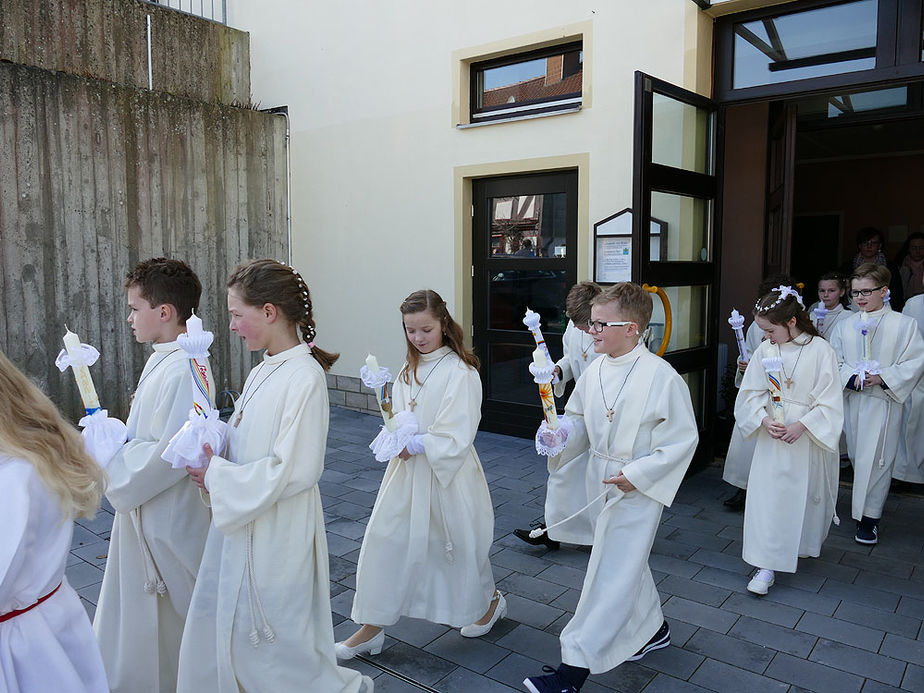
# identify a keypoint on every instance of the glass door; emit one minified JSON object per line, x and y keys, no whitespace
{"x":523,"y":256}
{"x":675,"y":182}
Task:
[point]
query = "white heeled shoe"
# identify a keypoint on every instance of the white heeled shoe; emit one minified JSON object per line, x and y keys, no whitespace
{"x":372,"y":646}
{"x":475,"y":630}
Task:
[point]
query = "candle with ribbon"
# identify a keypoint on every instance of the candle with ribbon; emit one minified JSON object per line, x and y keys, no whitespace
{"x":204,"y":425}
{"x":79,"y":357}
{"x":532,"y":321}
{"x":866,"y":366}
{"x":774,"y":367}
{"x":542,"y":372}
{"x":820,"y":313}
{"x":377,"y":379}
{"x":737,"y":324}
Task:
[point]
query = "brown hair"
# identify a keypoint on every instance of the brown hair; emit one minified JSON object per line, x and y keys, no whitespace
{"x":31,"y":428}
{"x":841,"y":280}
{"x":162,"y":280}
{"x":870,"y":270}
{"x":429,"y":300}
{"x":784,"y":311}
{"x":266,"y":281}
{"x":634,"y":302}
{"x":577,"y":305}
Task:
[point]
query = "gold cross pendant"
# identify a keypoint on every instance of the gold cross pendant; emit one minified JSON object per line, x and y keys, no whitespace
{"x":609,"y":415}
{"x":788,"y":382}
{"x":412,"y":404}
{"x":237,"y":419}
{"x":584,"y":355}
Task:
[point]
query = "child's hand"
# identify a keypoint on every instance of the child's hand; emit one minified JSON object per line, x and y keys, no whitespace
{"x":776,"y":430}
{"x":621,"y":482}
{"x":198,"y":474}
{"x":871,"y":380}
{"x":557,"y":372}
{"x":793,"y":432}
{"x":742,"y":366}
{"x":404,"y":454}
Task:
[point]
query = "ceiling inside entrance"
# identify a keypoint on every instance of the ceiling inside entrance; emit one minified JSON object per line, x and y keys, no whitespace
{"x":862,"y":140}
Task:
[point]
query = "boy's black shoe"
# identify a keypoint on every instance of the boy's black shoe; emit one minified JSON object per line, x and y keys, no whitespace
{"x":541,"y":540}
{"x":565,"y":679}
{"x":736,"y":502}
{"x":660,"y":640}
{"x":867,"y":531}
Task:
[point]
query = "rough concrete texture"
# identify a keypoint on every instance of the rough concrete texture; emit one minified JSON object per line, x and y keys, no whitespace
{"x":107,"y":40}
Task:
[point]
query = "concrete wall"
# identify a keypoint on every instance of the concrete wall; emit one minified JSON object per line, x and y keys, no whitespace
{"x":377,"y":193}
{"x":96,"y":177}
{"x":107,"y":40}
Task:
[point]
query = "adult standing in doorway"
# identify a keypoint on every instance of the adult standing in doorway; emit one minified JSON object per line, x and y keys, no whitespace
{"x":869,"y":249}
{"x":911,"y":265}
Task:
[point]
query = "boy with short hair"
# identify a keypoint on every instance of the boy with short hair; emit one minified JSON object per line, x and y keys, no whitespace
{"x":633,"y":413}
{"x":875,"y":392}
{"x":160,"y":524}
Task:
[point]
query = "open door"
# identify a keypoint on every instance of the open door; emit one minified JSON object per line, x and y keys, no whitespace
{"x":676,"y":182}
{"x":781,"y":164}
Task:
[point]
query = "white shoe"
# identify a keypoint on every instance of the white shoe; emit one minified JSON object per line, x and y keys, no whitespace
{"x":476,"y":631}
{"x":761,"y":582}
{"x":371,"y":646}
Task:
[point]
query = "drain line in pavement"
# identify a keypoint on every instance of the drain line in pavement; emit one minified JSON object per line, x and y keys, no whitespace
{"x":396,"y":674}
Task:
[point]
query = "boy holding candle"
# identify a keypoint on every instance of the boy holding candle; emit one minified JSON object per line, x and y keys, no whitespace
{"x":160,"y":524}
{"x":632,"y":413}
{"x":881,"y":358}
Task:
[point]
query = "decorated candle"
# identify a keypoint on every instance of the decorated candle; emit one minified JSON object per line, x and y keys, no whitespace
{"x":864,"y":323}
{"x":737,"y":324}
{"x":382,"y":395}
{"x":820,"y":314}
{"x":81,"y":372}
{"x":542,"y":375}
{"x":531,"y":320}
{"x":774,"y":367}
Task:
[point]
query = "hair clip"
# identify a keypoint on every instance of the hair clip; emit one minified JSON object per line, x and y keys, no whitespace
{"x":785,"y":292}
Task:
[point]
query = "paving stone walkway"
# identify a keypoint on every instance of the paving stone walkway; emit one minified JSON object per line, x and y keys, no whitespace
{"x":846,"y":622}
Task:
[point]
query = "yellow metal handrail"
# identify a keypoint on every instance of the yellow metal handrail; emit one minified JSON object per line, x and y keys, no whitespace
{"x":668,"y":319}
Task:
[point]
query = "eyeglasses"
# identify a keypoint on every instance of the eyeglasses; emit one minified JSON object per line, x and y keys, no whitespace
{"x":865,"y":292}
{"x":871,"y":242}
{"x":596,"y":326}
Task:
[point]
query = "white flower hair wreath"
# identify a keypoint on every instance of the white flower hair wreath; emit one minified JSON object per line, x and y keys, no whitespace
{"x":785,"y":292}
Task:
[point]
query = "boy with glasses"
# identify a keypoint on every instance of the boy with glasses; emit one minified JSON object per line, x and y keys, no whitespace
{"x":632,"y":413}
{"x":878,"y":371}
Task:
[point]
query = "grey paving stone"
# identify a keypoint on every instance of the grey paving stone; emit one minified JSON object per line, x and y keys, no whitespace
{"x":774,"y":637}
{"x":751,"y":605}
{"x":516,"y":667}
{"x":464,"y":681}
{"x":906,"y":649}
{"x":879,"y":619}
{"x":386,"y":683}
{"x":628,"y":677}
{"x":812,"y":676}
{"x":699,"y":614}
{"x":94,"y":553}
{"x":700,"y":540}
{"x":530,"y":612}
{"x":867,"y":596}
{"x":876,"y":564}
{"x":568,"y":600}
{"x":347,"y":528}
{"x":723,"y":561}
{"x":876,"y":687}
{"x":721,"y":677}
{"x":730,"y":650}
{"x":672,"y":566}
{"x":472,"y":653}
{"x":693,"y":590}
{"x":90,"y":593}
{"x":681,"y":632}
{"x":83,"y":574}
{"x":914,"y":679}
{"x":520,"y":562}
{"x":802,"y":599}
{"x":543,"y":646}
{"x":902,"y":588}
{"x":82,"y":537}
{"x":851,"y":659}
{"x":733,"y":582}
{"x":662,"y":683}
{"x":673,"y":660}
{"x":338,"y":545}
{"x":564,"y":575}
{"x":531,"y":588}
{"x":415,"y":663}
{"x":672,"y":549}
{"x":835,"y":571}
{"x":841,"y":631}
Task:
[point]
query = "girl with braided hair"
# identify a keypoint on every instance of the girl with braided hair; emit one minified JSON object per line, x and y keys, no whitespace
{"x":260,"y":614}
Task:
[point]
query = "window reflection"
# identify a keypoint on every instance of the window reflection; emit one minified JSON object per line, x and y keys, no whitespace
{"x":526,"y":226}
{"x":513,"y":291}
{"x":800,"y":45}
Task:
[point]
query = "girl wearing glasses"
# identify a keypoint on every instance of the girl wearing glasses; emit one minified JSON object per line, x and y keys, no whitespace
{"x":878,"y":371}
{"x":425,"y":551}
{"x":792,"y":485}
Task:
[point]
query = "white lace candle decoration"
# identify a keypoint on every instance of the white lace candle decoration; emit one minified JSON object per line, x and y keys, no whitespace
{"x":737,"y":324}
{"x":377,"y":379}
{"x":542,"y":372}
{"x":866,"y":365}
{"x":532,"y":321}
{"x":820,"y":313}
{"x":774,"y":367}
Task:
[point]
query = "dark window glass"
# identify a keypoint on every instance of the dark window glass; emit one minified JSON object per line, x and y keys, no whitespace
{"x":801,"y":45}
{"x":512,"y":291}
{"x":528,"y":84}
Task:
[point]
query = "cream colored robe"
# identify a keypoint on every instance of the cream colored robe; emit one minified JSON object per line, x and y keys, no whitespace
{"x":267,"y":516}
{"x":567,"y":490}
{"x":159,"y":531}
{"x":792,"y":488}
{"x":834,"y":316}
{"x":50,"y":648}
{"x":740,"y":451}
{"x":909,"y":463}
{"x":425,"y":551}
{"x":873,"y":417}
{"x":653,"y":427}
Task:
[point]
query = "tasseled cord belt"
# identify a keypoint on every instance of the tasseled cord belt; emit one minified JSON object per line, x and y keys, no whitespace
{"x":253,"y":597}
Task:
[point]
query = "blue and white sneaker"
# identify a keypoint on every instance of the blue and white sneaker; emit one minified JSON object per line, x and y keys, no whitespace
{"x":551,"y":682}
{"x":659,"y":640}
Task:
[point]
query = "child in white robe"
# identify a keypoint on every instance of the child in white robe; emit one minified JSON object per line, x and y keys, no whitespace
{"x":425,"y":550}
{"x":47,"y":479}
{"x":260,"y":615}
{"x":792,"y":486}
{"x":832,"y":294}
{"x":909,"y":465}
{"x":633,"y":412}
{"x":567,"y":489}
{"x":873,"y":403}
{"x":160,"y":525}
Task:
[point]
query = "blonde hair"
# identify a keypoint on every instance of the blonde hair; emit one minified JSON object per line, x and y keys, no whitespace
{"x":31,"y":428}
{"x":633,"y":301}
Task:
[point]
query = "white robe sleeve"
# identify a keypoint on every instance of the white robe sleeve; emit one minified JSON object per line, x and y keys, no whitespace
{"x":673,"y":442}
{"x":14,"y":515}
{"x":903,"y":374}
{"x":448,"y":440}
{"x":240,"y":493}
{"x":137,"y":473}
{"x":825,"y":420}
{"x":564,"y":363}
{"x":843,"y":331}
{"x":578,"y":441}
{"x":753,"y":398}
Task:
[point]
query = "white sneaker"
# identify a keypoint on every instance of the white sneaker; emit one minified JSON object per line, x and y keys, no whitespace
{"x":761,"y":582}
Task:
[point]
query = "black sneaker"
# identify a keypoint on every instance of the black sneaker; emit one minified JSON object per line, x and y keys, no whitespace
{"x":660,"y":640}
{"x":542,"y":540}
{"x":867,"y":531}
{"x":736,"y":502}
{"x":551,"y":682}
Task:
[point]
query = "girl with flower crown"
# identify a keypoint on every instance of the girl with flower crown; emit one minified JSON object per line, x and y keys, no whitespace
{"x":790,"y":403}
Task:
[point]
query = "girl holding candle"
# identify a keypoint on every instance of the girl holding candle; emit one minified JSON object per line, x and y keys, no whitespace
{"x":873,"y":403}
{"x":833,"y":299}
{"x":425,"y":552}
{"x":46,"y":643}
{"x":160,"y":524}
{"x":260,"y":614}
{"x":792,"y":485}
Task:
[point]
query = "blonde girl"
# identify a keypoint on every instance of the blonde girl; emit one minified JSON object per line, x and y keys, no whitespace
{"x":260,"y":614}
{"x":425,"y":551}
{"x":47,"y":478}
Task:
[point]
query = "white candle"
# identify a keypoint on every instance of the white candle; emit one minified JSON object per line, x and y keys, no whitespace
{"x":81,"y":374}
{"x":372,"y":364}
{"x":545,"y":388}
{"x":867,"y":337}
{"x":194,"y":325}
